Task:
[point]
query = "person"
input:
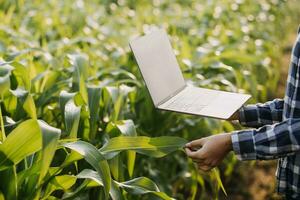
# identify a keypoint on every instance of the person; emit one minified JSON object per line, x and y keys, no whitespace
{"x":276,"y":135}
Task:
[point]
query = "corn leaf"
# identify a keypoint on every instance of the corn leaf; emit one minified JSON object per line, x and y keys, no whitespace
{"x":22,"y":75}
{"x":218,"y":178}
{"x":126,"y":128}
{"x":30,"y":143}
{"x":72,"y":117}
{"x":95,"y":159}
{"x":114,"y":192}
{"x":63,"y":182}
{"x":143,"y":185}
{"x":94,"y":94}
{"x":50,"y":137}
{"x":64,"y":97}
{"x":26,"y":101}
{"x":154,"y":147}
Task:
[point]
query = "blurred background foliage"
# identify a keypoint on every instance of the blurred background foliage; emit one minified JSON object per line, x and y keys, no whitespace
{"x":81,"y":47}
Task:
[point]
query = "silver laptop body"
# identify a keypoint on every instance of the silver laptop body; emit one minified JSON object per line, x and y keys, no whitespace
{"x":165,"y":82}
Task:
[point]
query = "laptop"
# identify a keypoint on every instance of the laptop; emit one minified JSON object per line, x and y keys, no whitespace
{"x":167,"y":87}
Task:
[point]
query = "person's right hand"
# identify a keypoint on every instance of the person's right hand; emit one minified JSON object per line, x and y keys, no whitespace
{"x":208,"y":152}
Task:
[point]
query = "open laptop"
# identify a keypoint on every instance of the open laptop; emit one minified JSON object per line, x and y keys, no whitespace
{"x":165,"y":82}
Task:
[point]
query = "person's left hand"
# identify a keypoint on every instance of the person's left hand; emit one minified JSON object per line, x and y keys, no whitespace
{"x":208,"y":152}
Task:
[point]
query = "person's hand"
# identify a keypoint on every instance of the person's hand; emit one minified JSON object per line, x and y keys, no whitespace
{"x":208,"y":152}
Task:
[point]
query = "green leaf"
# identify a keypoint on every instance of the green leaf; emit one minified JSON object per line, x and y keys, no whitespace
{"x":80,"y":73}
{"x":5,"y":71}
{"x":95,"y":159}
{"x":22,"y":75}
{"x":50,"y":137}
{"x":49,"y":80}
{"x":10,"y":189}
{"x":72,"y":117}
{"x":220,"y":183}
{"x":154,"y":147}
{"x":143,"y":185}
{"x":94,"y":94}
{"x":63,"y":182}
{"x":93,"y":175}
{"x":80,"y":63}
{"x":21,"y":142}
{"x":125,"y":128}
{"x":29,"y":106}
{"x":1,"y":196}
{"x":4,"y":85}
{"x":64,"y":97}
{"x":26,"y":100}
{"x":71,"y":158}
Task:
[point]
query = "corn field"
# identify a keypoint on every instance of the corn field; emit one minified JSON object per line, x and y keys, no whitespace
{"x":77,"y":121}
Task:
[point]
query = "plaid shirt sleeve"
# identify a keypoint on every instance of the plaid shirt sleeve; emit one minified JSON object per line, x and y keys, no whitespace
{"x":276,"y":137}
{"x":261,"y":114}
{"x":268,"y":142}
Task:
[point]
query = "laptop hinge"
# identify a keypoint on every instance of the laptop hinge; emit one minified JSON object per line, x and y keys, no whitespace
{"x":170,"y":96}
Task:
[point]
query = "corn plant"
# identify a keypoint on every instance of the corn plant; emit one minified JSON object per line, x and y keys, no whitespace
{"x":76,"y":120}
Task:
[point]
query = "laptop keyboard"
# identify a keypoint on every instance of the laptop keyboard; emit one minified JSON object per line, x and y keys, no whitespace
{"x":190,"y":100}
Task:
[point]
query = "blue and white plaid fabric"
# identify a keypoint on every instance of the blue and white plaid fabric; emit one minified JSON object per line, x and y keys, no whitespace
{"x":278,"y":131}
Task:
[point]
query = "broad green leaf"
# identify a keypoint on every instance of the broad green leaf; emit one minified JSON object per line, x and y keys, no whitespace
{"x":2,"y":132}
{"x":63,"y":182}
{"x":29,"y":106}
{"x":14,"y":149}
{"x":71,"y":158}
{"x":4,"y":85}
{"x":83,"y":90}
{"x":126,"y":128}
{"x":72,"y":117}
{"x":94,"y":94}
{"x":154,"y":147}
{"x":95,"y":159}
{"x":10,"y":189}
{"x":220,"y":183}
{"x":74,"y":194}
{"x":64,"y":97}
{"x":26,"y":100}
{"x":117,"y":108}
{"x":114,"y":165}
{"x":22,"y":75}
{"x":49,"y":80}
{"x":143,"y":185}
{"x":80,"y":64}
{"x":50,"y":137}
{"x":93,"y":175}
{"x":110,"y":93}
{"x":1,"y":196}
{"x":5,"y":71}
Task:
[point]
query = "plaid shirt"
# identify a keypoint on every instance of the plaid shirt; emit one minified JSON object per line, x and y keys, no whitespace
{"x":278,"y":131}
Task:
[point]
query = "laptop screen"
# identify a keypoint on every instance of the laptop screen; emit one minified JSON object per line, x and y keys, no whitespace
{"x":158,"y":65}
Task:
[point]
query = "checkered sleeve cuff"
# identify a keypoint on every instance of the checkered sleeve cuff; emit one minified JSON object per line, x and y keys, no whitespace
{"x":248,"y":116}
{"x":243,"y":145}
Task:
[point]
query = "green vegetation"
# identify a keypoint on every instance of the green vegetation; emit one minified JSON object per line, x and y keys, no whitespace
{"x":76,"y":119}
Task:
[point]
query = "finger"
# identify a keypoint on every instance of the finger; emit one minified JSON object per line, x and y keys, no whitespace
{"x":196,"y":143}
{"x":190,"y":153}
{"x":205,"y":168}
{"x":198,"y":161}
